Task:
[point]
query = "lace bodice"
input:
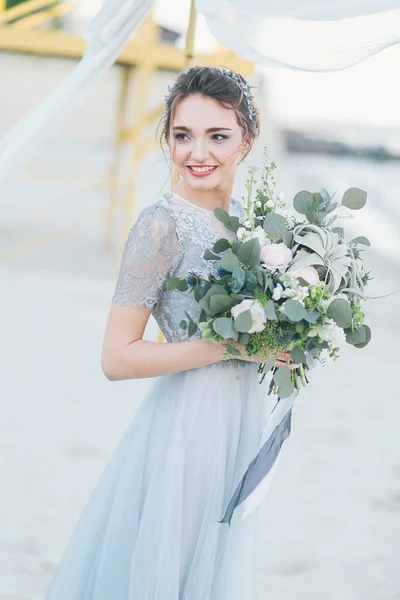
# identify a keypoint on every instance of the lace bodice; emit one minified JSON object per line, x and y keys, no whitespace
{"x":167,"y":240}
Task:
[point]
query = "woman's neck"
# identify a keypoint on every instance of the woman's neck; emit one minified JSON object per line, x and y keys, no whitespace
{"x":209,"y":199}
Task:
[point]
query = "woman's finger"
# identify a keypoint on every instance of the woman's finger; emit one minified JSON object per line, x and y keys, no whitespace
{"x":280,"y":363}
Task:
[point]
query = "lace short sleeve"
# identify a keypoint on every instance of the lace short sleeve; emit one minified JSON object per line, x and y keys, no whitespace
{"x":150,"y":255}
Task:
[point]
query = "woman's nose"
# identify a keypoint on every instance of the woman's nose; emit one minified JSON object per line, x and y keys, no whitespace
{"x":200,"y":152}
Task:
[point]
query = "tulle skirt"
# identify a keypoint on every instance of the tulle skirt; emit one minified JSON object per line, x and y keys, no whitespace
{"x":150,"y":529}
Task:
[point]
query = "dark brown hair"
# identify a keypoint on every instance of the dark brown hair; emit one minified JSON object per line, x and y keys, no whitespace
{"x":211,"y":82}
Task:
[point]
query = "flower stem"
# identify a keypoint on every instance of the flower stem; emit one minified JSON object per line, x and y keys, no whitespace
{"x":302,"y":375}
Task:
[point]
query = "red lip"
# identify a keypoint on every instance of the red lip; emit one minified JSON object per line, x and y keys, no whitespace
{"x":204,"y":173}
{"x":201,"y":174}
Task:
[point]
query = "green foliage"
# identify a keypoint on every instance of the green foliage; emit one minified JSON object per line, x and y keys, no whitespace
{"x":354,"y":198}
{"x":221,"y":245}
{"x":225,"y":327}
{"x":266,"y":342}
{"x":229,"y":261}
{"x":177,"y":284}
{"x":340,"y":311}
{"x":243,"y":322}
{"x":249,"y":253}
{"x":231,"y":223}
{"x":208,"y":255}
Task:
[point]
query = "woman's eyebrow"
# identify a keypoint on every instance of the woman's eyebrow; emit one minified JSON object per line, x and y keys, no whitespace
{"x":209,"y":130}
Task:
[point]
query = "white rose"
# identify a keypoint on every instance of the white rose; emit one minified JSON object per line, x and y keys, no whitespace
{"x":276,"y":256}
{"x":256,"y":312}
{"x":309,"y":274}
{"x":270,"y":204}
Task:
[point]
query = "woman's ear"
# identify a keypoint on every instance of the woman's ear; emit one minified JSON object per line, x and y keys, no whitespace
{"x":245,"y":147}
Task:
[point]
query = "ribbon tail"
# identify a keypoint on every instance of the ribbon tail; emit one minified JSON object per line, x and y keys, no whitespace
{"x":260,"y":466}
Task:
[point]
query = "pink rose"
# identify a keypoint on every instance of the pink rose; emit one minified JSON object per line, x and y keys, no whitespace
{"x":276,"y":256}
{"x":309,"y":274}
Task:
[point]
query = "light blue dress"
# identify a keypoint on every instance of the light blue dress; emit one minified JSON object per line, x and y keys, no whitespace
{"x":150,"y":530}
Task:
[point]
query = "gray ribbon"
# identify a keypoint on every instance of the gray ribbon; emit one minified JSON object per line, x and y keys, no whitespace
{"x":259,"y":466}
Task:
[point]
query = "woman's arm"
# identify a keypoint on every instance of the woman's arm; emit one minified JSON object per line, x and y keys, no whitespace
{"x":125,"y":355}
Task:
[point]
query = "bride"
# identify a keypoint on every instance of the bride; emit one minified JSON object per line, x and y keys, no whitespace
{"x":151,"y":529}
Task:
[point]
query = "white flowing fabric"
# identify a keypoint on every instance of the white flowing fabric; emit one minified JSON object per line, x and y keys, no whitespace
{"x":106,"y":36}
{"x":310,"y":35}
{"x":303,"y":35}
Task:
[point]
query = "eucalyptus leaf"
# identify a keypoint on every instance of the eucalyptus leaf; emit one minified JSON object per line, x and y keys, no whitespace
{"x":224,"y":327}
{"x":221,"y":245}
{"x":312,"y":317}
{"x":235,"y":247}
{"x":237,"y":297}
{"x":354,"y":198}
{"x":298,"y":355}
{"x":282,"y":375}
{"x":303,"y":201}
{"x":234,"y":224}
{"x":295,"y":311}
{"x":269,"y":364}
{"x":244,"y":322}
{"x":286,"y":390}
{"x":229,"y":261}
{"x":340,"y":311}
{"x":249,"y":253}
{"x":359,"y":336}
{"x":208,"y":255}
{"x":221,"y":303}
{"x":270,"y":312}
{"x":183,"y":324}
{"x":216,"y":289}
{"x":222,"y":215}
{"x":368,"y":338}
{"x":238,"y":274}
{"x":244,"y":338}
{"x":274,"y":224}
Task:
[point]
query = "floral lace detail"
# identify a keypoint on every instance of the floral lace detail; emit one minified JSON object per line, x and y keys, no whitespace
{"x":168,"y":240}
{"x":151,"y":253}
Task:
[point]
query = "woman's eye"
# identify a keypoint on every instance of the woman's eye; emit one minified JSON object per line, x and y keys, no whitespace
{"x":218,"y":137}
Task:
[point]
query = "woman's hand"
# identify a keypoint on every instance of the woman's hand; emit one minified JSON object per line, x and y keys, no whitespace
{"x":283,"y":358}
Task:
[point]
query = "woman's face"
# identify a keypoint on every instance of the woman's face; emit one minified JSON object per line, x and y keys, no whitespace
{"x":205,"y":135}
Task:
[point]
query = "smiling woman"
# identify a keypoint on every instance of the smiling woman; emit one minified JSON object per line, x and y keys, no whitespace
{"x":152,"y":528}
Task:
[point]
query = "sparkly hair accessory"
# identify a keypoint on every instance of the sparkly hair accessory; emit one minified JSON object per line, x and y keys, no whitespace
{"x":246,"y":90}
{"x":233,"y":77}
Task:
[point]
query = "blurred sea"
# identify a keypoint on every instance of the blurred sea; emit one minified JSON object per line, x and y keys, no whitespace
{"x":330,"y":527}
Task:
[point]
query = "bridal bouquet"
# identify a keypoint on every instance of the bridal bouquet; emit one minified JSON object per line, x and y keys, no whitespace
{"x":288,"y":281}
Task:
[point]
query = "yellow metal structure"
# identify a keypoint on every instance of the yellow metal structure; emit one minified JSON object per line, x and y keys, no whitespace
{"x":23,"y":30}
